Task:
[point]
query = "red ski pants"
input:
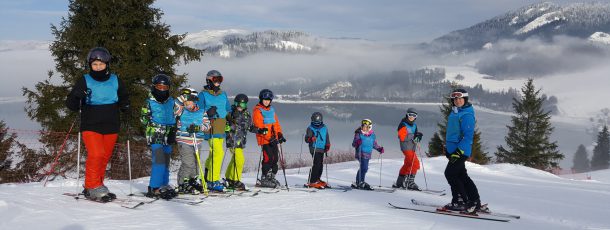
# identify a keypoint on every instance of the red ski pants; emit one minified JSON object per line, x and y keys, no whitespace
{"x":411,"y":164}
{"x":99,"y":150}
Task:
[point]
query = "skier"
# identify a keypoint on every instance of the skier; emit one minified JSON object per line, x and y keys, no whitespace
{"x":99,"y":96}
{"x":364,"y":143}
{"x":192,"y":123}
{"x":319,"y":143}
{"x":216,"y":105}
{"x":459,"y":138}
{"x":269,"y":134}
{"x":158,"y":117}
{"x":408,"y":137}
{"x":239,"y":123}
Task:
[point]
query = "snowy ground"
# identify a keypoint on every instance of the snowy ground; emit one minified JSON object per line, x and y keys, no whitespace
{"x":543,"y":200}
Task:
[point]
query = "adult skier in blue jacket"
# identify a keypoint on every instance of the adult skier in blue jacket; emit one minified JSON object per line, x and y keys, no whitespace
{"x":459,"y":138}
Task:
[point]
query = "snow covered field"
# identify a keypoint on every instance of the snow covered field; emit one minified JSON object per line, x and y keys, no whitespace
{"x":543,"y":200}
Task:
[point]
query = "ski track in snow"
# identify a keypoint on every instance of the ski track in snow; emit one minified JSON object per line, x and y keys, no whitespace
{"x":543,"y":200}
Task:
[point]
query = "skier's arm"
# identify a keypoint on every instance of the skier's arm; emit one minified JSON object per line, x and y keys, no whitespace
{"x":308,"y":135}
{"x":145,"y":114}
{"x":77,"y":95}
{"x":467,"y":129}
{"x":123,"y":95}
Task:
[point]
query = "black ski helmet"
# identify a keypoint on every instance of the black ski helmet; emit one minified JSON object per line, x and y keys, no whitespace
{"x":160,"y":87}
{"x":411,"y":112}
{"x":98,"y":53}
{"x":459,"y":93}
{"x":213,"y":76}
{"x":265,"y":94}
{"x":161,"y":79}
{"x":241,"y":100}
{"x":316,"y":118}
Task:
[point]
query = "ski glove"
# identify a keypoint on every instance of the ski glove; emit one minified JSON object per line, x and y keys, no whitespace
{"x":281,"y":138}
{"x":193,"y":128}
{"x":262,"y":131}
{"x":381,"y":150}
{"x":326,"y":148}
{"x":418,"y":136}
{"x":456,"y":155}
{"x":211,"y":112}
{"x":358,"y":143}
{"x":227,"y":128}
{"x":312,"y":140}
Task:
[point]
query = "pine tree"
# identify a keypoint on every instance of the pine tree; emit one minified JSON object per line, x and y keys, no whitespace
{"x":7,"y":141}
{"x":601,"y":152}
{"x":141,"y":47}
{"x":528,"y":138}
{"x":581,"y":160}
{"x":436,"y":146}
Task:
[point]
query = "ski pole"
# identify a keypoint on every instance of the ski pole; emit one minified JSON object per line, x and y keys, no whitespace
{"x":301,"y":153}
{"x":326,"y":165}
{"x":422,"y":165}
{"x":58,"y":153}
{"x":258,"y":167}
{"x":205,"y":186}
{"x":283,"y":167}
{"x":129,"y":158}
{"x":78,"y":151}
{"x":380,"y":168}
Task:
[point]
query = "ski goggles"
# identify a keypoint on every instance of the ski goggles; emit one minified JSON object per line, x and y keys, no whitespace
{"x":241,"y":104}
{"x":189,"y":95}
{"x":413,"y":115}
{"x":366,"y":122}
{"x":216,"y":79}
{"x":99,"y":55}
{"x":161,"y":87}
{"x":458,"y":95}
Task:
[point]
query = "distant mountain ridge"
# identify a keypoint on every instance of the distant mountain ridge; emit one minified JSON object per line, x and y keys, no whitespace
{"x":543,"y":20}
{"x":238,"y":43}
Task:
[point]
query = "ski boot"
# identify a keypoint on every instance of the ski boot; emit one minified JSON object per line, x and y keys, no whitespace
{"x":454,"y":206}
{"x":100,"y":193}
{"x":317,"y":185}
{"x":216,"y":186}
{"x":410,"y":183}
{"x":472,"y":207}
{"x":400,"y":182}
{"x":324,"y":184}
{"x":268,"y":181}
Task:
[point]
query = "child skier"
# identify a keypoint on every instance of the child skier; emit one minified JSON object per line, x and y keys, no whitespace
{"x":99,"y":96}
{"x":239,"y":123}
{"x":408,"y":137}
{"x":216,"y":105}
{"x":364,"y":143}
{"x":158,"y":117}
{"x":192,"y":123}
{"x":268,"y":135}
{"x":319,"y":143}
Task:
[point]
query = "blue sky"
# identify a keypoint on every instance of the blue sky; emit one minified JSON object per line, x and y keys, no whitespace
{"x":383,"y":20}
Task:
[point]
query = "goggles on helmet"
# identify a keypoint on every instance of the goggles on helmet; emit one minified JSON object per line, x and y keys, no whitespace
{"x":243,"y":105}
{"x":216,"y":79}
{"x":367,"y":122}
{"x":413,"y":115}
{"x":267,"y":96}
{"x":458,"y":95}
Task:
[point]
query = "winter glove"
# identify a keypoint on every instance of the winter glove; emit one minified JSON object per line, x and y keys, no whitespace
{"x":312,"y":140}
{"x":380,"y":150}
{"x":211,"y":112}
{"x":281,"y":138}
{"x":262,"y":131}
{"x":326,"y":148}
{"x":456,"y":155}
{"x":418,"y":136}
{"x":227,"y":128}
{"x":171,"y":135}
{"x":80,"y":95}
{"x":193,"y":128}
{"x":126,"y":109}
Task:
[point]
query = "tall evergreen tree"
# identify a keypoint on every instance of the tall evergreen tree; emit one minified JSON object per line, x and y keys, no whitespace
{"x":601,"y":152}
{"x":581,"y":160}
{"x":436,"y":146}
{"x":140,"y":43}
{"x":528,"y":138}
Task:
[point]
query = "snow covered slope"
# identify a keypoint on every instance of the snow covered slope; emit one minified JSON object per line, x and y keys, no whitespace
{"x":543,"y":201}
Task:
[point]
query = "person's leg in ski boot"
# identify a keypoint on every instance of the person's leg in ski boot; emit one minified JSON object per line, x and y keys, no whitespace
{"x":410,"y":183}
{"x":474,"y":204}
{"x":274,"y":163}
{"x":364,"y":168}
{"x":188,"y":168}
{"x":214,"y":164}
{"x":234,"y":169}
{"x":159,"y":166}
{"x":400,"y":182}
{"x":99,"y":148}
{"x":453,"y":173}
{"x":317,"y":168}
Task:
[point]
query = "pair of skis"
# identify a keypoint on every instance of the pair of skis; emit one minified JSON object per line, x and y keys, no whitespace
{"x":421,"y":206}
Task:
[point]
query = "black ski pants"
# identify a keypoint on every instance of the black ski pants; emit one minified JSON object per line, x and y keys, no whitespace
{"x":460,"y":182}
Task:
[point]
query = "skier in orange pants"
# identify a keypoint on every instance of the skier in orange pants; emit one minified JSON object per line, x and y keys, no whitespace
{"x":408,"y":137}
